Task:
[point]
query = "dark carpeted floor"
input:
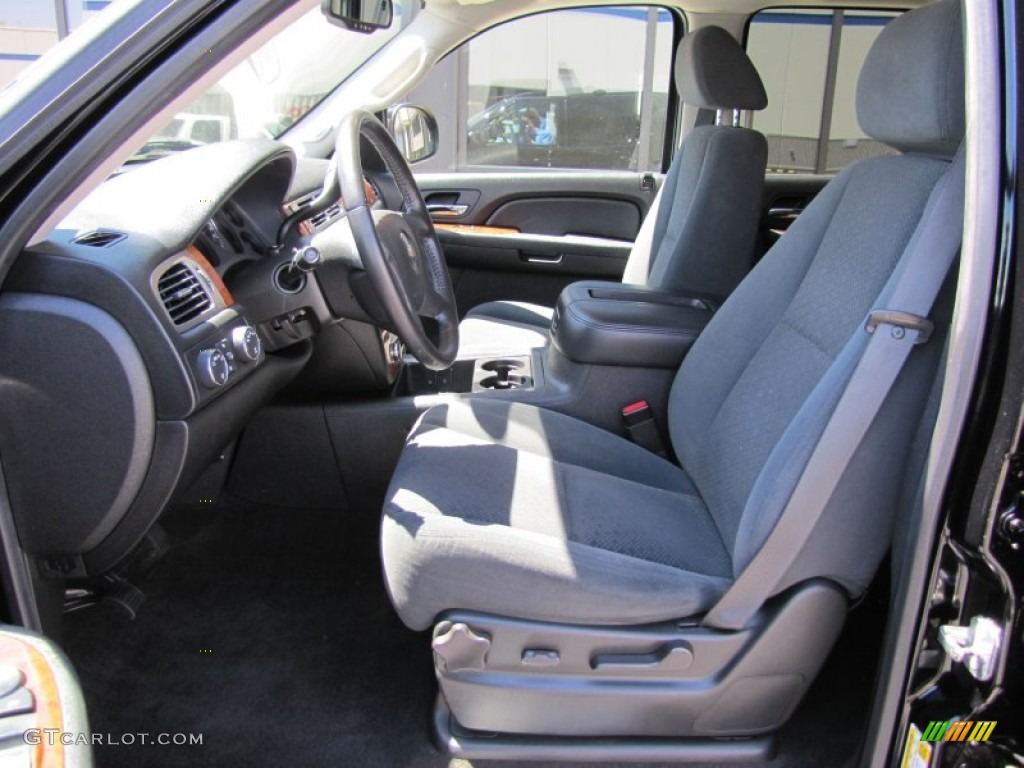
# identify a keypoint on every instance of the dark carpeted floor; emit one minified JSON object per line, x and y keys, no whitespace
{"x":268,"y":631}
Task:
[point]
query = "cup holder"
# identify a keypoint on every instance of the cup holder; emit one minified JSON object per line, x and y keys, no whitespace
{"x":287,"y":280}
{"x":506,"y":381}
{"x":505,"y":373}
{"x":503,"y":366}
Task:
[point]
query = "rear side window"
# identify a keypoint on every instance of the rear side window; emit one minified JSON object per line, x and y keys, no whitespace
{"x":578,"y":88}
{"x":810,"y":60}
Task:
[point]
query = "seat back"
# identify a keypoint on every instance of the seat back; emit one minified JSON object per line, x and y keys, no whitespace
{"x":757,"y":388}
{"x":704,"y":230}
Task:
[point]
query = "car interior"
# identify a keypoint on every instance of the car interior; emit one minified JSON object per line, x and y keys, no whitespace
{"x":339,"y":461}
{"x":692,"y":246}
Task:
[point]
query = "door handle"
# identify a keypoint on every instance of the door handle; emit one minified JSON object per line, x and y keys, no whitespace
{"x":446,"y":210}
{"x":779,"y":219}
{"x":784,"y":213}
{"x":541,"y":258}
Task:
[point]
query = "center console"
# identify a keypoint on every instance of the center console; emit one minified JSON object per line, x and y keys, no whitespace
{"x":598,"y":323}
{"x":497,"y":374}
{"x":596,"y":326}
{"x":610,"y":347}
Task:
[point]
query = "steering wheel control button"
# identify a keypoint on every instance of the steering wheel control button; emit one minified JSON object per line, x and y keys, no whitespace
{"x":214,"y":368}
{"x":246,"y":343}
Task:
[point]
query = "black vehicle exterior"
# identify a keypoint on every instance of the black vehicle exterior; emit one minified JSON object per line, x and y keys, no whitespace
{"x":968,"y":711}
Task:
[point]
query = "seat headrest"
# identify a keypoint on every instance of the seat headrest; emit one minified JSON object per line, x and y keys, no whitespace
{"x":911,"y":90}
{"x":714,"y":72}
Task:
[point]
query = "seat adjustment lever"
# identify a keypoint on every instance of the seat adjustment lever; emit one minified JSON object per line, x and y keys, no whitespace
{"x":675,"y":656}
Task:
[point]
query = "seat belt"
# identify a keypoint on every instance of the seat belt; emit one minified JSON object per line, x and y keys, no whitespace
{"x":638,"y":265}
{"x":893,"y":334}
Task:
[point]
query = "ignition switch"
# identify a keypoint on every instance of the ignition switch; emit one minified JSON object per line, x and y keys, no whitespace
{"x":306,"y":259}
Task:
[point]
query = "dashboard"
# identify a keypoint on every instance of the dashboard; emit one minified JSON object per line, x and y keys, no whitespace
{"x":138,"y":339}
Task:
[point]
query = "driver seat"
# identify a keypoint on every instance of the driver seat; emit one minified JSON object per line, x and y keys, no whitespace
{"x":700,"y":235}
{"x":570,"y":575}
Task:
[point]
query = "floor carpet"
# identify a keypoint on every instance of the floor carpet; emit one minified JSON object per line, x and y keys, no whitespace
{"x":268,"y":631}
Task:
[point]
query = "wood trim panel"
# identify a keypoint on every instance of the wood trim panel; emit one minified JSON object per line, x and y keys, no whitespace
{"x":475,"y":229}
{"x":195,"y":254}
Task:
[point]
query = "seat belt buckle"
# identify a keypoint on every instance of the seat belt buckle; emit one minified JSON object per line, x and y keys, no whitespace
{"x":900,"y":322}
{"x":642,"y":428}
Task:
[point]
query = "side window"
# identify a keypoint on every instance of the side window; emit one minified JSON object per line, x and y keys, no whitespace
{"x":810,"y":61}
{"x":580,"y":88}
{"x":29,"y":29}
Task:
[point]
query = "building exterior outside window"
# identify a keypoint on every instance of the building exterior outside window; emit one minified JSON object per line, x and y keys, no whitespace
{"x":29,"y":29}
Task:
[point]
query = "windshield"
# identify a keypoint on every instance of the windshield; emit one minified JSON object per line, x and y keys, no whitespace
{"x":275,"y":87}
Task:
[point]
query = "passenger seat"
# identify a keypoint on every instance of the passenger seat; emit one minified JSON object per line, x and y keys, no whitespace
{"x":699,"y":236}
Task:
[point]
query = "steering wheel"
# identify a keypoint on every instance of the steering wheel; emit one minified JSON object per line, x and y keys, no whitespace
{"x":399,"y":249}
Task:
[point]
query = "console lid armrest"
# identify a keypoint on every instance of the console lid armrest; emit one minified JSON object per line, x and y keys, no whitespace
{"x":602,"y":323}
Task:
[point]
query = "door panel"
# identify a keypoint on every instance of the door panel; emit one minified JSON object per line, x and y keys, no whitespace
{"x":600,"y":258}
{"x":523,"y":236}
{"x":615,"y":219}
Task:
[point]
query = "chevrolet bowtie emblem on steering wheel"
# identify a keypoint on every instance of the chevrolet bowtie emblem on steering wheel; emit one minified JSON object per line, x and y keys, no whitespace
{"x":410,"y":251}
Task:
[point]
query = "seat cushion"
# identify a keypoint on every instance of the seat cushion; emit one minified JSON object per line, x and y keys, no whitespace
{"x":503,"y":328}
{"x":521,"y":511}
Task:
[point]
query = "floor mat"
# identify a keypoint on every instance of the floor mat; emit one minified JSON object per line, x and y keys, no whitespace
{"x":268,"y":632}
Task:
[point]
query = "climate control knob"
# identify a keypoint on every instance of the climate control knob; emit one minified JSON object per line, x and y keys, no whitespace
{"x":247,"y":343}
{"x":213,"y":368}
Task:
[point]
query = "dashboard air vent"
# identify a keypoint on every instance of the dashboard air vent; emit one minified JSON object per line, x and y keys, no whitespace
{"x":183,"y":294}
{"x":99,"y":238}
{"x":325,"y":217}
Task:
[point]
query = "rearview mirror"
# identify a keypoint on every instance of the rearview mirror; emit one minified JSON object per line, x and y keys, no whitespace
{"x":358,"y":15}
{"x":414,"y":130}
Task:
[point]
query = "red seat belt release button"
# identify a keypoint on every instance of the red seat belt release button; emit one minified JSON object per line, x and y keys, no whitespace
{"x":642,"y":428}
